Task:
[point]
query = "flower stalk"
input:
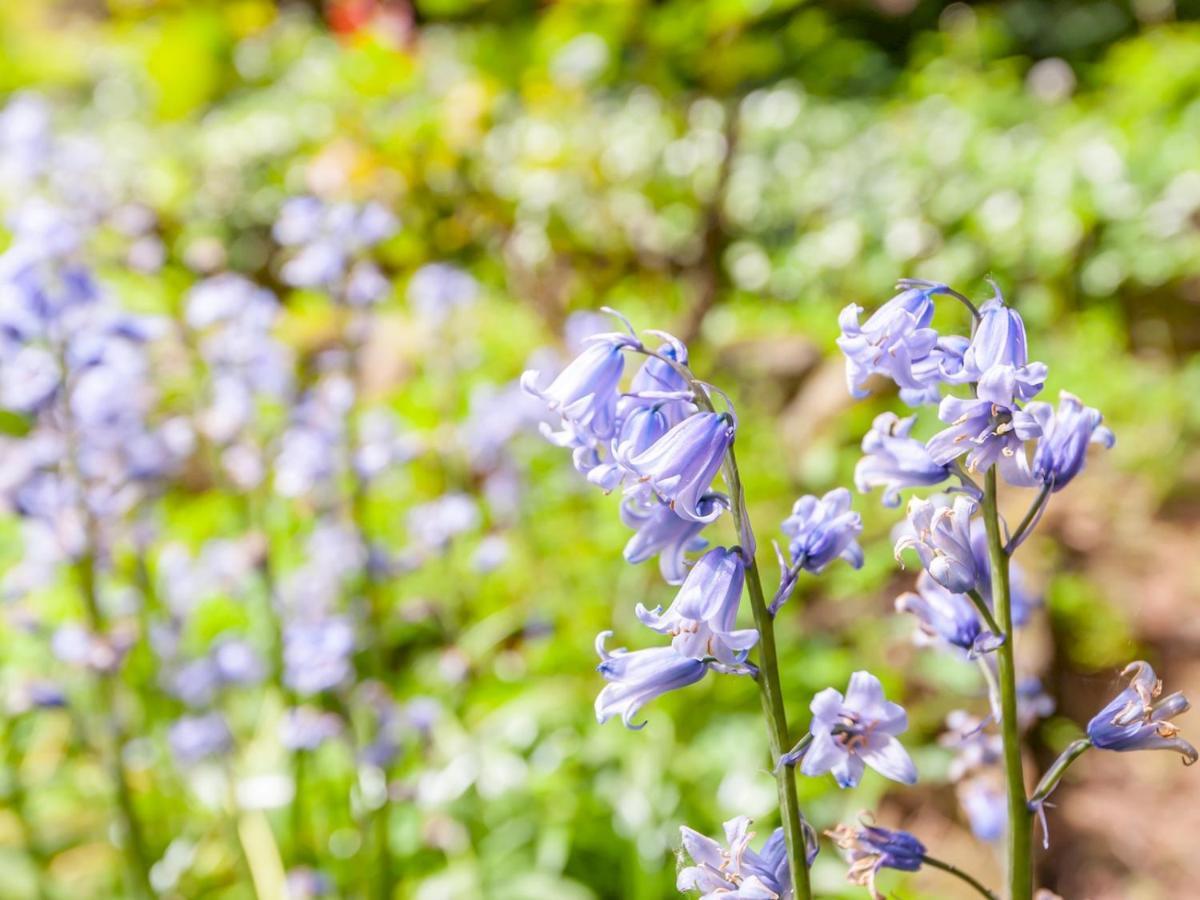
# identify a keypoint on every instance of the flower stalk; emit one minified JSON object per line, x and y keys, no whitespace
{"x":1020,"y":822}
{"x":959,"y":874}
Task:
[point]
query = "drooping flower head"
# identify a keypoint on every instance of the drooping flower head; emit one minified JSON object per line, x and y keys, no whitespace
{"x":946,"y":616}
{"x":822,"y":530}
{"x":941,"y":537}
{"x":659,"y":531}
{"x":736,"y":871}
{"x":870,"y":848}
{"x":585,"y":393}
{"x":703,"y":616}
{"x":637,"y":678}
{"x":894,"y":461}
{"x":855,"y":731}
{"x":1062,"y":449}
{"x":681,"y":465}
{"x":891,"y":342}
{"x":1137,"y":719}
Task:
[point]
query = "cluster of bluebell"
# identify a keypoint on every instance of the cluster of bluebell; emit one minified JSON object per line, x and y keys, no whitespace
{"x":664,"y":439}
{"x":970,"y":596}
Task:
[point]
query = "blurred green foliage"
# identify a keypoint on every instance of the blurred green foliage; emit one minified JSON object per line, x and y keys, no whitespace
{"x":735,"y":170}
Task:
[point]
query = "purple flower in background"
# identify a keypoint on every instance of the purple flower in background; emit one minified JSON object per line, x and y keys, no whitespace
{"x":891,"y":342}
{"x":734,"y":870}
{"x":585,"y":392}
{"x":316,"y":655}
{"x":637,"y":678}
{"x":822,"y":530}
{"x":975,"y":749}
{"x":435,"y":524}
{"x":703,"y":615}
{"x":990,"y":428}
{"x":307,"y":728}
{"x":1062,"y":449}
{"x":326,"y":237}
{"x":985,"y":804}
{"x":1033,"y":703}
{"x":894,"y":461}
{"x":237,"y":662}
{"x":1137,"y":719}
{"x":944,"y":615}
{"x":941,"y":536}
{"x":870,"y":848}
{"x":195,"y":738}
{"x":438,"y":289}
{"x":855,"y":731}
{"x":681,"y":465}
{"x":661,"y":532}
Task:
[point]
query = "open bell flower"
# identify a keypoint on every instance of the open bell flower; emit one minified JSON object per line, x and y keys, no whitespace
{"x":585,"y":392}
{"x":870,"y":848}
{"x":990,"y":429}
{"x":703,"y":616}
{"x":639,"y":428}
{"x":890,"y":342}
{"x":733,"y":870}
{"x":855,"y":731}
{"x":660,"y":532}
{"x":999,"y":342}
{"x":682,"y":464}
{"x":637,"y":678}
{"x":941,"y":537}
{"x":1137,"y":719}
{"x":824,"y":529}
{"x":894,"y":461}
{"x":1066,"y":434}
{"x":947,"y":616}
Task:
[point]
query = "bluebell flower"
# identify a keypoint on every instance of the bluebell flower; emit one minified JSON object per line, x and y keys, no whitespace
{"x":975,"y":748}
{"x":822,"y":530}
{"x":855,"y":731}
{"x":703,"y":616}
{"x":637,"y":678}
{"x":870,"y":848}
{"x":895,"y":461}
{"x":640,"y":428}
{"x":1137,"y":719}
{"x":659,"y":531}
{"x":941,"y":536}
{"x":585,"y":393}
{"x":947,"y":616}
{"x":682,"y":464}
{"x":438,"y":289}
{"x":316,"y":654}
{"x":307,"y":728}
{"x":1062,"y":449}
{"x":1023,"y":599}
{"x":986,"y":806}
{"x":999,"y":343}
{"x":195,"y":738}
{"x":989,"y":428}
{"x":734,"y":870}
{"x":891,"y":342}
{"x":658,"y":383}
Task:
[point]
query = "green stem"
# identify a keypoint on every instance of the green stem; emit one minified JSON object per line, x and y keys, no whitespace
{"x":959,"y":873}
{"x":771,"y":692}
{"x":1031,"y":516}
{"x":1055,"y":773}
{"x":136,"y":854}
{"x":986,"y":614}
{"x":1020,"y":830}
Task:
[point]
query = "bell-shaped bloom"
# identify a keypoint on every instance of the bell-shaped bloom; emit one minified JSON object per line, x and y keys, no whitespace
{"x":989,"y":428}
{"x":660,"y":532}
{"x":1062,"y":449}
{"x":703,"y":616}
{"x":891,"y":342}
{"x":941,"y":536}
{"x":823,"y":529}
{"x":855,"y":731}
{"x":945,"y":616}
{"x":639,"y":429}
{"x":733,"y":870}
{"x":894,"y":461}
{"x":658,"y":382}
{"x":682,"y":464}
{"x":637,"y":678}
{"x":1137,"y":719}
{"x":585,"y":392}
{"x":869,"y":848}
{"x":999,"y":338}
